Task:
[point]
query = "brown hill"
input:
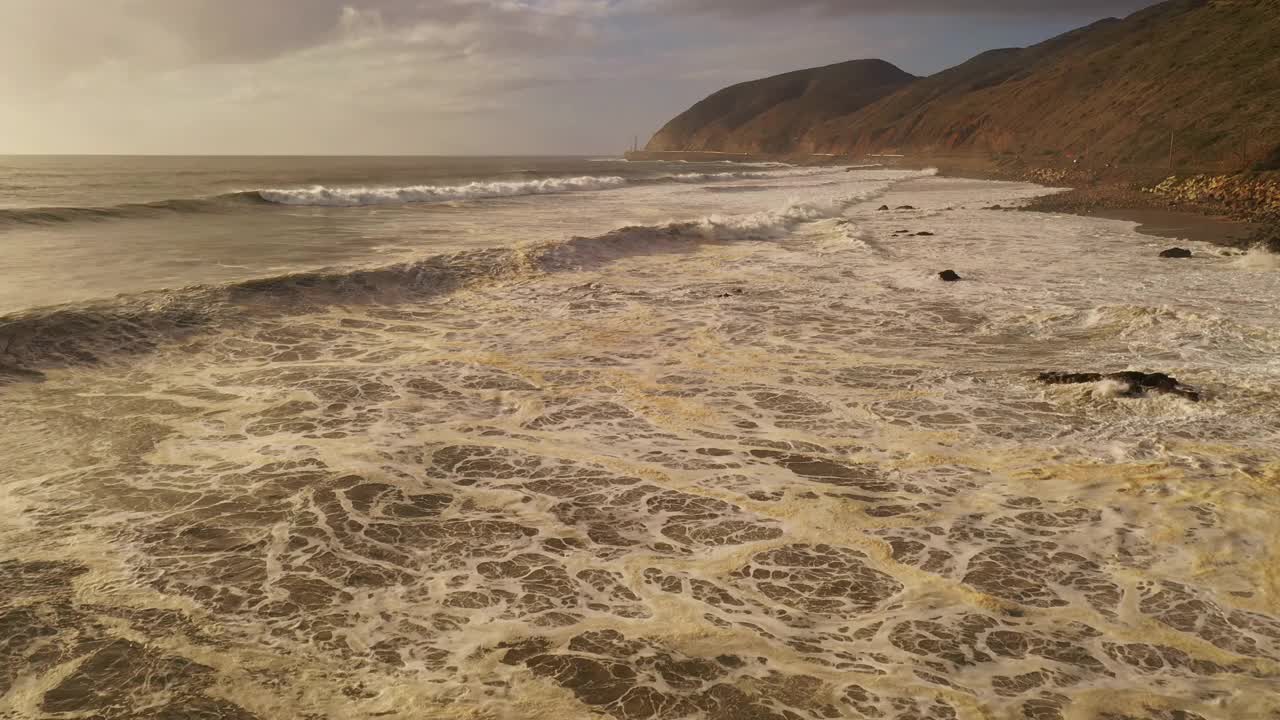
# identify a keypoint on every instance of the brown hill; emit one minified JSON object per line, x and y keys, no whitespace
{"x":1205,"y":71}
{"x":769,"y":115}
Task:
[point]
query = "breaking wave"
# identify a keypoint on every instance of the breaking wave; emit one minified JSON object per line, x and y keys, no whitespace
{"x":358,"y":197}
{"x":713,"y":177}
{"x":1258,"y":258}
{"x":326,"y":196}
{"x":323,"y":196}
{"x":89,"y":333}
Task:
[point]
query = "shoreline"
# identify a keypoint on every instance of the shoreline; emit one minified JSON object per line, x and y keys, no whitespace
{"x":1237,"y":210}
{"x":1180,"y":225}
{"x":1211,"y":209}
{"x":1167,"y":223}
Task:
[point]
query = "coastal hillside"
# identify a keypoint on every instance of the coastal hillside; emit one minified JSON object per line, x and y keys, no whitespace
{"x":767,"y":115}
{"x":1204,"y":73}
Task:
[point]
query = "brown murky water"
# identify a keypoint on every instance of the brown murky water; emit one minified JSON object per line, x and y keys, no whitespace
{"x":759,"y":467}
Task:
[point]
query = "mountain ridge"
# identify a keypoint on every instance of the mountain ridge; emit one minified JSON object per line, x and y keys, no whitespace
{"x":1202,"y":73}
{"x":770,"y":109}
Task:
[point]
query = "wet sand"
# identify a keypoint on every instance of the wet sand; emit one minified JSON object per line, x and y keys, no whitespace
{"x":1180,"y":225}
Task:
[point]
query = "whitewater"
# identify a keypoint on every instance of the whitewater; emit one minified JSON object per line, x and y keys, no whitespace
{"x":713,"y":442}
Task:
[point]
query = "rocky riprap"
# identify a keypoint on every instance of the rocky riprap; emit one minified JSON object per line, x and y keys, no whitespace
{"x":1253,"y":196}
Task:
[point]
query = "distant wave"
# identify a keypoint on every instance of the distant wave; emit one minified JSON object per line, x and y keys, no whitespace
{"x":57,"y":215}
{"x":88,"y":333}
{"x":728,"y":189}
{"x":715,"y":177}
{"x":759,"y":163}
{"x":325,"y":196}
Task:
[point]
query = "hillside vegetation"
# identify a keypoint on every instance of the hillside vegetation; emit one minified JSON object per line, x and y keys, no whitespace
{"x":1204,"y":72}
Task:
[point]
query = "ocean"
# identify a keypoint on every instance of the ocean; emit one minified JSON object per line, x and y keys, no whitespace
{"x":509,"y":438}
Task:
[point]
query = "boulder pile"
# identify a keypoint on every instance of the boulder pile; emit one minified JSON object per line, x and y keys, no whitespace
{"x":1255,"y":196}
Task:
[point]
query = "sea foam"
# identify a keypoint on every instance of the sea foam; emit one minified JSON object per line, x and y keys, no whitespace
{"x":325,"y":196}
{"x":321,"y":195}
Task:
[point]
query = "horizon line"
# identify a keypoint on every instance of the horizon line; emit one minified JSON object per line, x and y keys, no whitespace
{"x":307,"y":155}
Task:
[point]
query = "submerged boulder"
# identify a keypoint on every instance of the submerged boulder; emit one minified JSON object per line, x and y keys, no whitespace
{"x":949,"y":276}
{"x":1138,"y":384}
{"x":1176,"y":252}
{"x":884,"y":208}
{"x":924,"y":233}
{"x":906,"y":207}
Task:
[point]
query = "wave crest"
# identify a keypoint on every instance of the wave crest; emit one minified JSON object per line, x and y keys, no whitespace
{"x":324,"y":196}
{"x":38,"y":216}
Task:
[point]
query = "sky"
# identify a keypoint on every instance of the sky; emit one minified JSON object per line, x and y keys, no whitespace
{"x":444,"y":77}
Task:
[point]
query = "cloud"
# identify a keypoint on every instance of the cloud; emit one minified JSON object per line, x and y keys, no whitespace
{"x":437,"y":76}
{"x":746,"y":8}
{"x":289,"y":75}
{"x":60,"y":36}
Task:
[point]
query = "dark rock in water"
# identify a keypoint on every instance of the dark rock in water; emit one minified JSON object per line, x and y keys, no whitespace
{"x":884,"y":208}
{"x":924,"y":233}
{"x":949,"y":276}
{"x":993,"y":207}
{"x":731,"y":293}
{"x":1139,"y":383}
{"x":1158,"y":382}
{"x":1062,"y":378}
{"x":906,"y":207}
{"x":1176,"y":253}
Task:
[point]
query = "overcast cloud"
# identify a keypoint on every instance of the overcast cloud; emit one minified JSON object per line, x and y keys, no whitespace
{"x":441,"y":76}
{"x":1040,"y":8}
